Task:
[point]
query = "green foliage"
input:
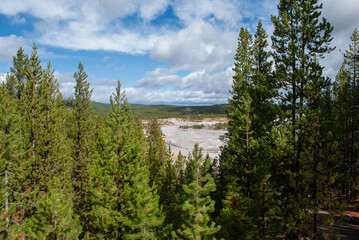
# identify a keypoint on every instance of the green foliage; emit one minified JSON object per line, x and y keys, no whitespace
{"x":141,"y":214}
{"x":12,"y":164}
{"x":198,"y":204}
{"x":166,"y":111}
{"x":291,"y":149}
{"x":55,"y":218}
{"x":300,"y":38}
{"x":83,"y":145}
{"x":346,"y":111}
{"x":157,"y":153}
{"x":18,"y":73}
{"x":195,"y":126}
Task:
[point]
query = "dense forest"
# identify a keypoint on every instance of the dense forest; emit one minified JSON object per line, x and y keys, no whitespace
{"x":291,"y":149}
{"x":166,"y":111}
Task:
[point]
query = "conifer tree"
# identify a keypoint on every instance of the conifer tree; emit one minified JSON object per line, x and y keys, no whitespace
{"x":103,"y":216}
{"x":12,"y":160}
{"x":18,"y":72}
{"x":347,"y":115}
{"x":55,"y":218}
{"x":245,"y":159}
{"x":198,"y":204}
{"x":11,"y":84}
{"x":84,"y":147}
{"x":43,"y":134}
{"x":263,"y":88}
{"x":157,"y":154}
{"x":239,"y":116}
{"x":51,"y":140}
{"x":32,"y":128}
{"x":122,"y":145}
{"x":33,"y":77}
{"x":300,"y":38}
{"x":141,"y":214}
{"x":162,"y":171}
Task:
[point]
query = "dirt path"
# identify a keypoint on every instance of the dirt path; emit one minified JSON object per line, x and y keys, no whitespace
{"x":348,"y":230}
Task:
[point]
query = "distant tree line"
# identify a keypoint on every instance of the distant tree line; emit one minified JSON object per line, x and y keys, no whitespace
{"x":291,"y":149}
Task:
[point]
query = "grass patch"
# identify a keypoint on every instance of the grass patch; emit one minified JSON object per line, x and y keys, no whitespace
{"x":195,"y":126}
{"x":219,"y":126}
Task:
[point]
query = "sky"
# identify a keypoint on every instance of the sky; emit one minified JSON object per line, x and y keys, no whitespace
{"x":163,"y":51}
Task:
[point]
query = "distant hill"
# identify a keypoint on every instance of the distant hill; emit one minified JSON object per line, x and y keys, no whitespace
{"x":165,"y":111}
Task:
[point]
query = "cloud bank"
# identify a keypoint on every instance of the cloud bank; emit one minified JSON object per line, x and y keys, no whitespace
{"x":196,"y":40}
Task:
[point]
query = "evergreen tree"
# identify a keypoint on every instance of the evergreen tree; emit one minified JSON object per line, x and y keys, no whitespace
{"x":157,"y":154}
{"x":198,"y":204}
{"x":239,"y":116}
{"x":347,"y":114}
{"x":32,"y":129}
{"x":245,"y":159}
{"x":263,"y":89}
{"x":141,"y":214}
{"x":18,"y":72}
{"x":162,"y":172}
{"x":51,"y":141}
{"x":43,"y":135}
{"x":12,"y":161}
{"x":103,"y":216}
{"x":11,"y":84}
{"x":121,"y":146}
{"x":55,"y":218}
{"x":82,"y":135}
{"x":300,"y":37}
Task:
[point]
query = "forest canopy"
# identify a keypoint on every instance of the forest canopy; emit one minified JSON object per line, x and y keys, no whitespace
{"x":291,"y":149}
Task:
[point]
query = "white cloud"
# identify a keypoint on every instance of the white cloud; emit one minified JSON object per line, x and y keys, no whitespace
{"x":148,"y":10}
{"x":198,"y":45}
{"x":202,"y":83}
{"x":160,"y":77}
{"x":67,"y":83}
{"x":343,"y":15}
{"x":2,"y":77}
{"x":139,"y":95}
{"x":203,"y":40}
{"x":9,"y":46}
{"x":222,"y":10}
{"x":42,"y":9}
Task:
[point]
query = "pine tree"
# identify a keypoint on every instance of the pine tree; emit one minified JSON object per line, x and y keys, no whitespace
{"x":82,"y":135}
{"x":52,"y":149}
{"x":347,"y":112}
{"x":55,"y":218}
{"x":162,"y":172}
{"x":263,"y":88}
{"x":300,"y":38}
{"x":121,"y":146}
{"x":245,"y":159}
{"x":32,"y":128}
{"x":141,"y":214}
{"x":239,"y":115}
{"x":18,"y":72}
{"x":103,"y":193}
{"x":10,"y":84}
{"x":12,"y":158}
{"x":42,"y":136}
{"x":198,"y":204}
{"x":157,"y":154}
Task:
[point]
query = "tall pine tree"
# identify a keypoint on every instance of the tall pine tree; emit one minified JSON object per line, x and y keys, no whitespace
{"x":198,"y":204}
{"x":82,"y":135}
{"x":300,"y":38}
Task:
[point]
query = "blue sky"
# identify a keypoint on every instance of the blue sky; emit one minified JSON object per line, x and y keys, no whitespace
{"x":163,"y":51}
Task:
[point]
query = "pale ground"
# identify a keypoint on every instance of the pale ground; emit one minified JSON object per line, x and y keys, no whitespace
{"x":184,"y":139}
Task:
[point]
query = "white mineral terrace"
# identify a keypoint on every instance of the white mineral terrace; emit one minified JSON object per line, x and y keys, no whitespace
{"x":183,"y":140}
